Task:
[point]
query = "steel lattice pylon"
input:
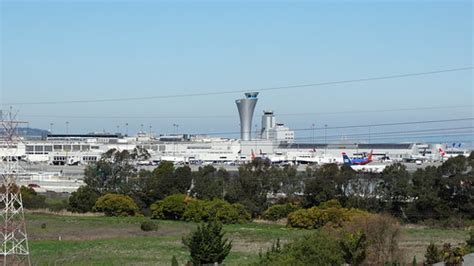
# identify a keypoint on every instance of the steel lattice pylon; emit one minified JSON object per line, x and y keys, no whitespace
{"x":14,"y":248}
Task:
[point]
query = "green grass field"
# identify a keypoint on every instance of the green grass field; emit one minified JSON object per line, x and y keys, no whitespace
{"x":82,"y":240}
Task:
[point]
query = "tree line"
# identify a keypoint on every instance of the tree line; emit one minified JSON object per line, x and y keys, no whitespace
{"x":433,"y":193}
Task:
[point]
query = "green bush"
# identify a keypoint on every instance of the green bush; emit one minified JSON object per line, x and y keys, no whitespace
{"x":317,"y":217}
{"x":195,"y":211}
{"x":303,"y":218}
{"x":170,"y":208}
{"x":56,"y":205}
{"x":222,"y":211}
{"x":279,"y":211}
{"x":433,"y":254}
{"x":181,"y":207}
{"x":31,"y":199}
{"x":83,"y":199}
{"x":315,"y":249}
{"x":148,"y":226}
{"x":116,"y":205}
{"x":244,"y":215}
{"x":207,"y":244}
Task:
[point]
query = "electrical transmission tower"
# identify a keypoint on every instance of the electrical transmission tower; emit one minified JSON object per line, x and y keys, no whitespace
{"x":14,"y":248}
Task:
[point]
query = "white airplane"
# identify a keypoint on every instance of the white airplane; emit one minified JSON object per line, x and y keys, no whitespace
{"x":370,"y":168}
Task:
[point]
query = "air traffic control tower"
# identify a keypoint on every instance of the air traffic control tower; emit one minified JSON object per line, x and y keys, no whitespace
{"x":246,"y":107}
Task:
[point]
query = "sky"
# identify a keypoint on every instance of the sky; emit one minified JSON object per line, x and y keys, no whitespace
{"x":86,"y":50}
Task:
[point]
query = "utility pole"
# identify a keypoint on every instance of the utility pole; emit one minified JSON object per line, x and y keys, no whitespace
{"x":176,"y":126}
{"x":325,"y":138}
{"x":14,"y":248}
{"x":312,"y":136}
{"x":51,"y":128}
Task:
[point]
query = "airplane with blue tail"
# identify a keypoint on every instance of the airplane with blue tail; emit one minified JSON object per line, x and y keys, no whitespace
{"x":362,"y":164}
{"x":357,"y":161}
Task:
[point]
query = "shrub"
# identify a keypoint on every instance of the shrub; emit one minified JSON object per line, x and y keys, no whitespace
{"x":148,"y":226}
{"x":304,"y":218}
{"x":244,"y":215}
{"x":222,"y":211}
{"x":317,"y":217}
{"x":452,"y":256}
{"x":57,"y":205}
{"x":170,"y":208}
{"x":279,"y":211}
{"x":207,"y":244}
{"x":317,"y":248}
{"x":470,"y":241}
{"x":82,"y":200}
{"x":217,"y":209}
{"x":31,"y":199}
{"x":354,"y":248}
{"x":116,"y":205}
{"x":383,"y":233}
{"x":195,"y":211}
{"x":432,"y":254}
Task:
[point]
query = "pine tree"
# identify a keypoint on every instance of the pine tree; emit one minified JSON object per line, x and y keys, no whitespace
{"x":432,"y":255}
{"x":207,"y":244}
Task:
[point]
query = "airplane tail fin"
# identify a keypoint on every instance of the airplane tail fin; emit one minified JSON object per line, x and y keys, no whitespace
{"x":442,"y":152}
{"x":346,"y":159}
{"x":253,"y":155}
{"x":369,"y":157}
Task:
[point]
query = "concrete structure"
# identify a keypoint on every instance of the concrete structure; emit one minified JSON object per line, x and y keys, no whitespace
{"x":268,"y":121}
{"x":246,"y":106}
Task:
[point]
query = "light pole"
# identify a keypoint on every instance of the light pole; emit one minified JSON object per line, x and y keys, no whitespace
{"x":176,"y":126}
{"x":141,"y":128}
{"x":118,"y":129}
{"x":126,"y":129}
{"x":312,"y":135}
{"x":256,"y":132}
{"x":67,"y":127}
{"x":51,"y":127}
{"x":325,"y":138}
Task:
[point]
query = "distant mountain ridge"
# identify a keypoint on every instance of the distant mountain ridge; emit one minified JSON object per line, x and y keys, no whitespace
{"x":30,"y":132}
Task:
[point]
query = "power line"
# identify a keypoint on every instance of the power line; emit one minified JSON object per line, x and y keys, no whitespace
{"x":358,"y":126}
{"x":346,"y":112}
{"x":405,"y":132}
{"x":415,"y":74}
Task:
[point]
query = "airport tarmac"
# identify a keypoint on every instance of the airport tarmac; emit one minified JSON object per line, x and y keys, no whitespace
{"x":77,"y":171}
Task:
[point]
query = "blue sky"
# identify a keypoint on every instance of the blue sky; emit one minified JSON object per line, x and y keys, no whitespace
{"x":54,"y":51}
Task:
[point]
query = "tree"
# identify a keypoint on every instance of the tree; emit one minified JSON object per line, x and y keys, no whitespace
{"x":209,"y":183}
{"x":83,"y":200}
{"x":31,"y":199}
{"x":251,"y":186}
{"x":426,"y":185}
{"x":111,"y":173}
{"x":354,"y":247}
{"x":432,"y":254}
{"x":454,"y":166}
{"x":207,"y":244}
{"x":116,"y":205}
{"x":394,"y":188}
